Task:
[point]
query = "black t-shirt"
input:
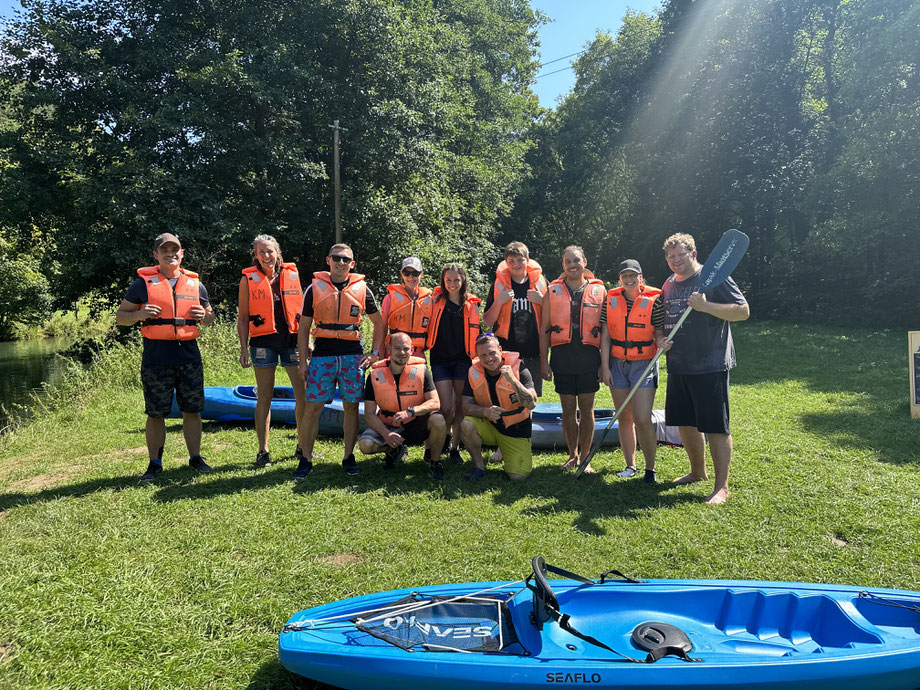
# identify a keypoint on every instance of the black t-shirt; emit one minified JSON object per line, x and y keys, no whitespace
{"x":449,"y":345}
{"x":522,"y":429}
{"x":575,"y":358}
{"x":523,"y":334}
{"x":282,"y":338}
{"x":159,"y":353}
{"x":336,"y":347}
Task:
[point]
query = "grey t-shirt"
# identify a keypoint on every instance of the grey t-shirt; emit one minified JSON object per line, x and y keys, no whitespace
{"x":704,"y":342}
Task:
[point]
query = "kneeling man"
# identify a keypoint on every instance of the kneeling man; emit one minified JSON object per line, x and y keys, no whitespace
{"x":402,"y":408}
{"x":497,"y":399}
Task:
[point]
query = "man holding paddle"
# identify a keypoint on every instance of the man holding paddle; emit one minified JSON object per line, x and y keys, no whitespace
{"x":699,"y":358}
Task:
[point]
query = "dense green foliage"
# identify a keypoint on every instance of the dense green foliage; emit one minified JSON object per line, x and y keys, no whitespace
{"x":186,"y":583}
{"x":211,"y":119}
{"x":25,"y":295}
{"x":795,"y":122}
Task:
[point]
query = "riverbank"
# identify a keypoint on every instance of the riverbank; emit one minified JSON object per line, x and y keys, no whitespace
{"x":186,"y":583}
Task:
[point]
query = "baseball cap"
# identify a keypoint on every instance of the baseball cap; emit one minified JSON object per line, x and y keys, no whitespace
{"x":164,"y":238}
{"x":412,"y":262}
{"x":630,"y":265}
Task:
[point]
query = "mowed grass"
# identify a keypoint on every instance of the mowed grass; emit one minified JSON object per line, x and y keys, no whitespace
{"x":186,"y":583}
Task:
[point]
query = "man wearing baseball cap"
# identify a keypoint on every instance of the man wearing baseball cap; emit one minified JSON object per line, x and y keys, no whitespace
{"x":169,"y":303}
{"x":406,"y":308}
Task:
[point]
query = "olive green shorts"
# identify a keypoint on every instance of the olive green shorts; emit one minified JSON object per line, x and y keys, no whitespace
{"x":516,"y":452}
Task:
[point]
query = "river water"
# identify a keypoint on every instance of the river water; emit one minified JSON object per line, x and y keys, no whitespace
{"x":24,"y":366}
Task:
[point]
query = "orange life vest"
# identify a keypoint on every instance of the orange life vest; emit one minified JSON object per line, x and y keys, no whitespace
{"x":632,"y":336}
{"x":411,"y":387}
{"x":262,"y":303}
{"x":514,"y":411}
{"x":560,"y":313}
{"x":503,"y":281}
{"x":338,"y":313}
{"x":174,"y":322}
{"x":471,"y":320}
{"x":410,"y":316}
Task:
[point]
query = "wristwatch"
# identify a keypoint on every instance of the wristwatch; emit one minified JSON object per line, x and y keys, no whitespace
{"x":375,"y":353}
{"x":411,"y":410}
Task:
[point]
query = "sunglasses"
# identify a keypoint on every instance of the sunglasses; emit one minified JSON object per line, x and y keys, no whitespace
{"x":411,"y":274}
{"x":341,"y":259}
{"x":483,"y":336}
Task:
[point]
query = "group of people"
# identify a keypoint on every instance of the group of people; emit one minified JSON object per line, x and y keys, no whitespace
{"x":485,"y":366}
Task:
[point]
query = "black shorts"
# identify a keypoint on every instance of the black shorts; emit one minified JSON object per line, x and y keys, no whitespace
{"x":699,"y":400}
{"x":187,"y":380}
{"x":576,"y":384}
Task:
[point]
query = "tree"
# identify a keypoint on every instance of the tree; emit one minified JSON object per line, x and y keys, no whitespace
{"x":24,"y":290}
{"x":210,"y":119}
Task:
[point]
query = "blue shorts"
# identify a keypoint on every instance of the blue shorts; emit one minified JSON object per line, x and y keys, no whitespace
{"x":324,"y":372}
{"x":456,"y":370}
{"x":270,"y":356}
{"x":625,"y":374}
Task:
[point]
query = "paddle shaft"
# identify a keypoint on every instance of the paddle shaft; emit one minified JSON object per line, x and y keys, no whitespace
{"x":632,"y":392}
{"x":716,"y":270}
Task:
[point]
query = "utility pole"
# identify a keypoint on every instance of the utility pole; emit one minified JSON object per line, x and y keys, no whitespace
{"x":336,"y":180}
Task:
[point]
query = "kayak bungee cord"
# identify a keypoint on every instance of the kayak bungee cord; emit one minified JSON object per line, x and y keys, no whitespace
{"x":393,"y":609}
{"x":882,"y":601}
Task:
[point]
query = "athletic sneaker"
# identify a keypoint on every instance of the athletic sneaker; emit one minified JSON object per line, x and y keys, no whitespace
{"x":455,"y":456}
{"x":649,"y":477}
{"x":263,"y":459}
{"x":197,"y":463}
{"x":436,"y":471}
{"x":350,"y":465}
{"x":153,"y":469}
{"x":475,"y":474}
{"x":389,"y":457}
{"x":304,"y":467}
{"x":627,"y":473}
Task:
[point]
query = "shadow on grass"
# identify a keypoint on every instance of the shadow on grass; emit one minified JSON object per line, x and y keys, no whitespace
{"x":861,"y":374}
{"x":182,"y":476}
{"x":553,"y":489}
{"x":273,"y":676}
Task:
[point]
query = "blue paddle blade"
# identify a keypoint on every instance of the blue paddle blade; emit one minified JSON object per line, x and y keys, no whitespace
{"x":724,"y":258}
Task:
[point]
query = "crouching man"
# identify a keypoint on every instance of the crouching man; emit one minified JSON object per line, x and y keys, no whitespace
{"x":402,"y":408}
{"x":497,"y":400}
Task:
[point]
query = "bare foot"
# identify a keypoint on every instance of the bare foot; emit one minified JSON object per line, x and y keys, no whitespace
{"x":689,"y":479}
{"x":588,"y":469}
{"x":718,"y":497}
{"x":570,"y":464}
{"x":496,"y":456}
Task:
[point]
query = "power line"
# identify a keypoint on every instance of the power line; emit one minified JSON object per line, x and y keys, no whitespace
{"x":564,"y":57}
{"x":564,"y":69}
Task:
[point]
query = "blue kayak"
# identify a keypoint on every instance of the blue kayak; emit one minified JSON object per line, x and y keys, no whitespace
{"x":238,"y":404}
{"x":611,"y":633}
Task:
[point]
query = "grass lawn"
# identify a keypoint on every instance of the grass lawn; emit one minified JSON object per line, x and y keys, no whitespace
{"x":186,"y":583}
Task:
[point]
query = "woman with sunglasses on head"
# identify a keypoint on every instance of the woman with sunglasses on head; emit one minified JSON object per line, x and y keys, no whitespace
{"x":632,"y":320}
{"x":452,"y":331}
{"x":406,"y":308}
{"x":270,"y":300}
